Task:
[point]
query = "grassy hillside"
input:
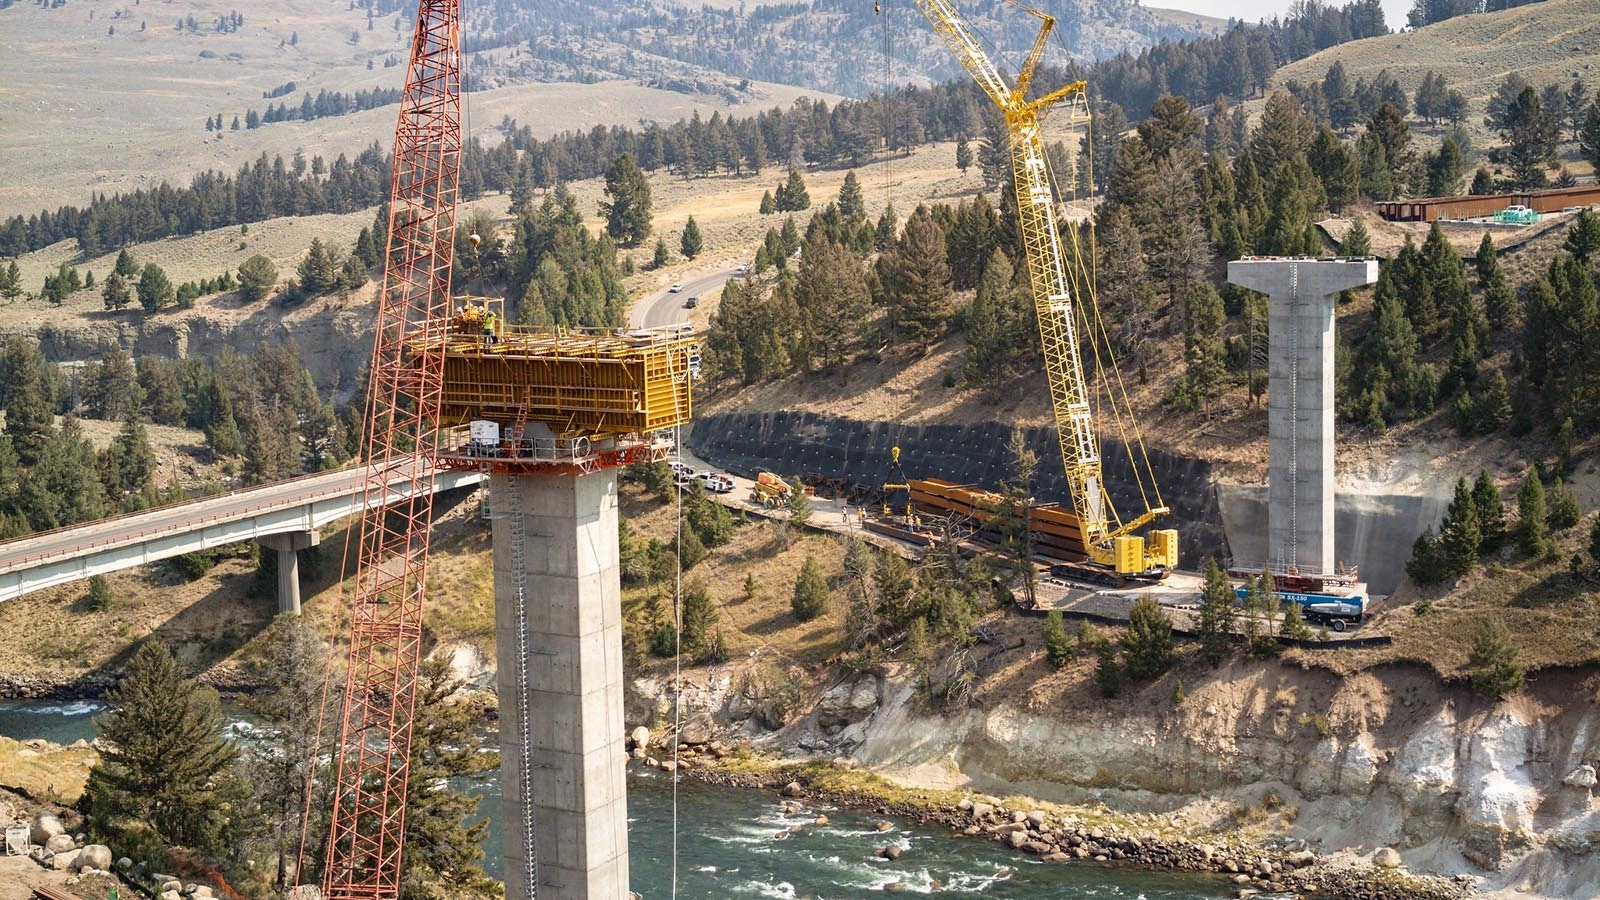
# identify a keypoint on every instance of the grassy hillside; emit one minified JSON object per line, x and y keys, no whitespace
{"x":1552,"y":41}
{"x":82,"y":110}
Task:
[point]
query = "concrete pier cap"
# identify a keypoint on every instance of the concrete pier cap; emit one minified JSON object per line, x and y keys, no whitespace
{"x":1300,"y":399}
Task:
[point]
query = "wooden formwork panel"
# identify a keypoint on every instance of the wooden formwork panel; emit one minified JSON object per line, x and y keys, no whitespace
{"x":632,"y":393}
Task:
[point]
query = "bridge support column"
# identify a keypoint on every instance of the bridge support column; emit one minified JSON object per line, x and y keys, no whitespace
{"x":558,"y":630}
{"x":1300,"y":374}
{"x":289,"y":546}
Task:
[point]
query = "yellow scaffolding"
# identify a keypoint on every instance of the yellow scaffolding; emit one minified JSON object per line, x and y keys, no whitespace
{"x":577,"y":382}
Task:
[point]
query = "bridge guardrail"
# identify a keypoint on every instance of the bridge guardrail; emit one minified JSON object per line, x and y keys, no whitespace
{"x":232,"y":514}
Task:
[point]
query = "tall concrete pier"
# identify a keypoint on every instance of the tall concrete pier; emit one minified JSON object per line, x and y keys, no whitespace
{"x":558,"y":630}
{"x":1300,"y":403}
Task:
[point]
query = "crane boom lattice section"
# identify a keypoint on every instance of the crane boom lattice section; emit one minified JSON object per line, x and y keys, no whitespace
{"x":372,"y":757}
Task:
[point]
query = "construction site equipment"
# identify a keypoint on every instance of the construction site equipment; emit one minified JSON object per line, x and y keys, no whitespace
{"x":371,"y":761}
{"x":897,"y":491}
{"x":770,"y":490}
{"x":1516,"y":214}
{"x":1064,"y":300}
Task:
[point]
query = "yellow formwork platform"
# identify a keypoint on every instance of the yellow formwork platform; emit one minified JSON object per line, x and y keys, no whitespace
{"x":576,"y":382}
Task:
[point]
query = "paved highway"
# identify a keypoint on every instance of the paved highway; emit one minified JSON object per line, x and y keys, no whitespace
{"x":664,"y":308}
{"x":76,"y":540}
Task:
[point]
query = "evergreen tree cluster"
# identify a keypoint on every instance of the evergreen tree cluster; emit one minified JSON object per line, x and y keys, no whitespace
{"x":325,"y":103}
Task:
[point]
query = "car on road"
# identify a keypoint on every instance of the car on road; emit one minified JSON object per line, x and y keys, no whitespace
{"x":685,"y":476}
{"x":677,"y":287}
{"x":691,"y":303}
{"x":741,"y":269}
{"x":715,"y":483}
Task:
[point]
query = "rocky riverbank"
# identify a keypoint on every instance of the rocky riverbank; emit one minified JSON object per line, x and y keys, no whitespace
{"x":1052,"y":836}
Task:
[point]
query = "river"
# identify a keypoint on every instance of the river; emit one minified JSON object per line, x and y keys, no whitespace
{"x":729,"y":844}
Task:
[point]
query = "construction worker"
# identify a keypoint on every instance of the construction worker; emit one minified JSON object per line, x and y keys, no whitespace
{"x":490,"y":322}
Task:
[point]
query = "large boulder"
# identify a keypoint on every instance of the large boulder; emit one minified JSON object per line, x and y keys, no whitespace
{"x":97,"y":856}
{"x":1386,"y":858}
{"x":847,"y":703}
{"x":61,"y":843}
{"x":640,"y":737}
{"x":696,"y":731}
{"x":46,"y":825}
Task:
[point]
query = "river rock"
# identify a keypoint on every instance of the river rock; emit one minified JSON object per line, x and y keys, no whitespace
{"x":1581,"y":777}
{"x":61,"y":843}
{"x":793,"y":789}
{"x":982,"y":811}
{"x":124,"y":864}
{"x":640,"y":737}
{"x":820,"y":820}
{"x":1386,"y":858}
{"x":169,"y":895}
{"x":893,"y":852}
{"x":95,"y":855}
{"x":1018,"y":838}
{"x":1036,"y":820}
{"x":1300,"y":859}
{"x":46,"y":825}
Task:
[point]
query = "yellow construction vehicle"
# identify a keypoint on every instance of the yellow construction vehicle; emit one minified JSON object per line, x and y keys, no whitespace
{"x":1064,"y":299}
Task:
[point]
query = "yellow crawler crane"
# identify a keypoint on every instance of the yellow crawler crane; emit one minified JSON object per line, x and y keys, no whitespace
{"x":1067,"y":324}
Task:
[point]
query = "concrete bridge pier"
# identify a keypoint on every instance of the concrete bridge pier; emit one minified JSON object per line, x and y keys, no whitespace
{"x":558,"y":633}
{"x":289,"y":544}
{"x":1300,"y":407}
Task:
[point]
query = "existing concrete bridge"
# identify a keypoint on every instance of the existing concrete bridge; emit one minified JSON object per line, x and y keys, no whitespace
{"x":284,"y":515}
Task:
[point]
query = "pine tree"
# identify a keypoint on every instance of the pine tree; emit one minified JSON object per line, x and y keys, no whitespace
{"x":699,"y":619}
{"x":281,"y":758}
{"x":767,"y":206}
{"x":448,"y":758}
{"x":1107,"y":675}
{"x":1589,"y":135}
{"x":1493,"y":660}
{"x":11,"y":281}
{"x":851,"y":203}
{"x":1491,"y":512}
{"x":165,"y":751}
{"x":833,"y":300}
{"x":810,"y":591}
{"x":116,"y":294}
{"x":1357,"y":241}
{"x":1203,"y":316}
{"x":257,"y":277}
{"x":963,"y":155}
{"x":1583,"y":236}
{"x":1563,"y":504}
{"x":792,"y":195}
{"x":885,"y":234}
{"x":319,"y":271}
{"x":1218,"y":608}
{"x":29,"y":406}
{"x":1532,"y":534}
{"x":916,"y":281}
{"x":125,"y":266}
{"x":155,"y":289}
{"x":1147,"y":647}
{"x":690,"y":243}
{"x":1057,"y":643}
{"x":627,"y":209}
{"x":1423,"y":565}
{"x":661,"y":256}
{"x":1532,"y":136}
{"x":1460,"y":536}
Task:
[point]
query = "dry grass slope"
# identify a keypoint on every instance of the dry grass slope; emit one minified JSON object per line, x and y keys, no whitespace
{"x":82,"y":110}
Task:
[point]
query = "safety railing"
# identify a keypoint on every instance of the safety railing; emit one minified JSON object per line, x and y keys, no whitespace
{"x":351,"y":488}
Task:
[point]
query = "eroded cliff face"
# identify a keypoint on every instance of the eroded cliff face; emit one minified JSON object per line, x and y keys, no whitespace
{"x":334,"y":337}
{"x":1390,"y":757}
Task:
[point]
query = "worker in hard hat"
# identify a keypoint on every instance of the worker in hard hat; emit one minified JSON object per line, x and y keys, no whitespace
{"x":490,"y":323}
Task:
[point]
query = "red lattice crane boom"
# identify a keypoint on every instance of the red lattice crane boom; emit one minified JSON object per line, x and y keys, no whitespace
{"x":371,"y":759}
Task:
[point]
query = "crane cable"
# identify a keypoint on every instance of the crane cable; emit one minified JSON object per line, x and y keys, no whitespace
{"x":677,"y":604}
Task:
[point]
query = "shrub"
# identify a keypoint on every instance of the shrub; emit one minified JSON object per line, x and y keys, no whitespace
{"x":1106,"y":672}
{"x":100,"y":596}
